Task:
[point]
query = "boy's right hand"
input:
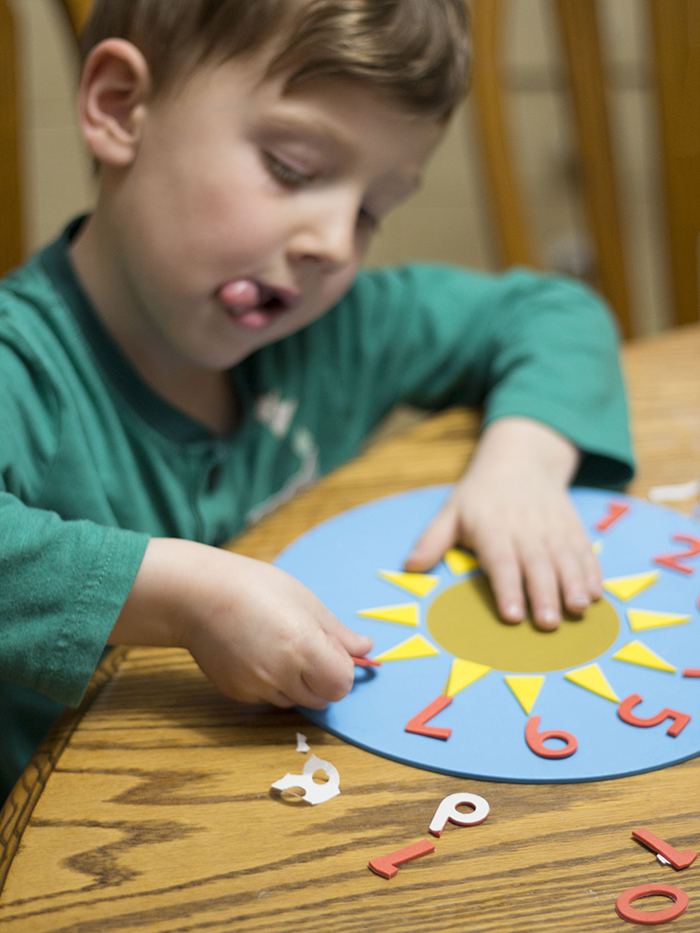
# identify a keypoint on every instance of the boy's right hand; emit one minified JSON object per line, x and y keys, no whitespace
{"x":255,"y":631}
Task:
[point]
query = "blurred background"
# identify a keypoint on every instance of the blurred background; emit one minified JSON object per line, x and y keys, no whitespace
{"x":448,"y":219}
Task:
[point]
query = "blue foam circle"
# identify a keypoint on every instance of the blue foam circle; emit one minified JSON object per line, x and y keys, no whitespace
{"x":339,"y":559}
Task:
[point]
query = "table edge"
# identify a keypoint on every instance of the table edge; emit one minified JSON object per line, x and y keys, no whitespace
{"x":25,"y":795}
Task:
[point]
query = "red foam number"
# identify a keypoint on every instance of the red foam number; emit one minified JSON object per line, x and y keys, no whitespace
{"x":651,"y":918}
{"x":615,"y":510}
{"x":536,"y":740}
{"x":385,"y":865}
{"x":679,"y":860}
{"x":366,"y":662}
{"x":691,"y":672}
{"x":417,"y":725}
{"x":674,"y":560}
{"x":680,"y":720}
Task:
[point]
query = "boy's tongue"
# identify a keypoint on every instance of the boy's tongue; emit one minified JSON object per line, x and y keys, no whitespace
{"x":243,"y":298}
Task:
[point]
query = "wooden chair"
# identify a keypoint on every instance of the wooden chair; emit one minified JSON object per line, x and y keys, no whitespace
{"x":676,"y":32}
{"x":676,"y":27}
{"x":11,"y":238}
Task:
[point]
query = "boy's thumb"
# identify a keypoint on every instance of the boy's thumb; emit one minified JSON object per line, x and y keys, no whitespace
{"x":437,"y":538}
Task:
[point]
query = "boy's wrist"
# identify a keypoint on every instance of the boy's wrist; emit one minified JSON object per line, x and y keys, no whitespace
{"x":156,"y":611}
{"x":514,"y":445}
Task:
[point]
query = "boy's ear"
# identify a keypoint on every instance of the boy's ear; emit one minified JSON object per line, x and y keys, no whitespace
{"x":114,"y":90}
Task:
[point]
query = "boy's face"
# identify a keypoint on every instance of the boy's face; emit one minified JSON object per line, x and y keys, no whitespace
{"x":245,"y":211}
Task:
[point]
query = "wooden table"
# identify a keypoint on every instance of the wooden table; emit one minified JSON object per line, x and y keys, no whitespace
{"x":149,"y":808}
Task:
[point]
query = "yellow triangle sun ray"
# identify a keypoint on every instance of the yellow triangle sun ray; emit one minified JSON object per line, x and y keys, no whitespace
{"x":463,"y":673}
{"x":641,"y":619}
{"x":526,"y":688}
{"x":636,"y":653}
{"x":627,"y":587}
{"x":593,"y":679}
{"x":460,"y":561}
{"x":414,"y":647}
{"x":405,"y":614}
{"x":417,"y":583}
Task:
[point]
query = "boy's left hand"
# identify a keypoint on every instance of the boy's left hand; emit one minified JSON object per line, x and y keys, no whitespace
{"x":512,"y":508}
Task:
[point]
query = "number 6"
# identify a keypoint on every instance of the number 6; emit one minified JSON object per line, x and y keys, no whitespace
{"x":536,"y":739}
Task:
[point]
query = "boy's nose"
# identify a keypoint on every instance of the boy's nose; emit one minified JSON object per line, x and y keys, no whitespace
{"x":328,"y":234}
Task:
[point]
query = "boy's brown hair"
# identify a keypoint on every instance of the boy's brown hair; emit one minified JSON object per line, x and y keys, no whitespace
{"x":416,"y":50}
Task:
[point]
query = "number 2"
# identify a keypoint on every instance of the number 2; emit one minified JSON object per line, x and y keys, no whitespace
{"x":674,"y":560}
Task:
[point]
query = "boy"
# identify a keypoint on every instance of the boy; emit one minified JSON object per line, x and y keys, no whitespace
{"x":201,"y":346}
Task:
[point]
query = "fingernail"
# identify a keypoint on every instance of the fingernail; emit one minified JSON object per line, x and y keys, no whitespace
{"x":579,"y":599}
{"x":514,"y":611}
{"x":550,"y":616}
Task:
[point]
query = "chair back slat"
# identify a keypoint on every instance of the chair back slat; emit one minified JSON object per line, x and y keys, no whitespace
{"x":581,"y":41}
{"x":10,"y":198}
{"x":511,"y":230}
{"x":78,"y":12}
{"x":676,"y":29}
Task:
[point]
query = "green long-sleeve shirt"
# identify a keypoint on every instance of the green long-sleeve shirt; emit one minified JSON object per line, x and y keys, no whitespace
{"x":93,"y":462}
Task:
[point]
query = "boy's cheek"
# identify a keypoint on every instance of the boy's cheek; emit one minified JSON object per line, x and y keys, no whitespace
{"x":339,"y":286}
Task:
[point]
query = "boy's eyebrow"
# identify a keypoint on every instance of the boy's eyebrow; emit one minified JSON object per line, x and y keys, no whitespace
{"x":308,"y":124}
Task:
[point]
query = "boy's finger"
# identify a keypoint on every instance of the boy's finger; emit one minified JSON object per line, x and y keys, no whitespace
{"x":592,"y":574}
{"x":300,"y":695}
{"x":543,"y":589}
{"x":501,"y":566}
{"x":356,"y":645}
{"x":328,"y":670}
{"x":572,"y":580}
{"x":437,"y":538}
{"x":277,"y":698}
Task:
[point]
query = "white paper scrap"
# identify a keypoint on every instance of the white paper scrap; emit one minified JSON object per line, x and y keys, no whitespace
{"x":313,"y":793}
{"x":302,"y":745}
{"x":676,"y":493}
{"x":664,"y":861}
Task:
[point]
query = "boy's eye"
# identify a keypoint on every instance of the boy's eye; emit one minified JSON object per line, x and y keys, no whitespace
{"x":365,"y":219}
{"x":284,"y":173}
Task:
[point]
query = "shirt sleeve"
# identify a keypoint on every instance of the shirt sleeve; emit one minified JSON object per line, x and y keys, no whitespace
{"x":62,"y":583}
{"x":517,"y":344}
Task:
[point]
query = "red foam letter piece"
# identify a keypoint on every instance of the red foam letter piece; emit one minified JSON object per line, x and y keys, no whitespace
{"x":615,"y":510}
{"x":385,"y":865}
{"x":536,"y":739}
{"x":674,"y":560}
{"x":624,"y":711}
{"x":679,"y":860}
{"x":366,"y":662}
{"x":651,"y":918}
{"x":691,"y":672}
{"x":418,"y":726}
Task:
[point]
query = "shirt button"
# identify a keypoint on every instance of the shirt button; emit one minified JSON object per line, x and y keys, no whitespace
{"x":214,"y":477}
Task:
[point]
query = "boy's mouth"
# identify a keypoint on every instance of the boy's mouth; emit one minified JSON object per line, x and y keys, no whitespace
{"x":253,"y":305}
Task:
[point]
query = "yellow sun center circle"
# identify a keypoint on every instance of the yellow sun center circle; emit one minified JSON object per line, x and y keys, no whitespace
{"x":464,"y":621}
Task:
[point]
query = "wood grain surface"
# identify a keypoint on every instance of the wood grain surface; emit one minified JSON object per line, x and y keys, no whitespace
{"x":149,"y":809}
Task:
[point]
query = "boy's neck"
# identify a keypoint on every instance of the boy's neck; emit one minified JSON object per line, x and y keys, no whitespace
{"x":208,"y":396}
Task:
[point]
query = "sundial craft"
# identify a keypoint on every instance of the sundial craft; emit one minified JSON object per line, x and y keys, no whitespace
{"x":463,"y":693}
